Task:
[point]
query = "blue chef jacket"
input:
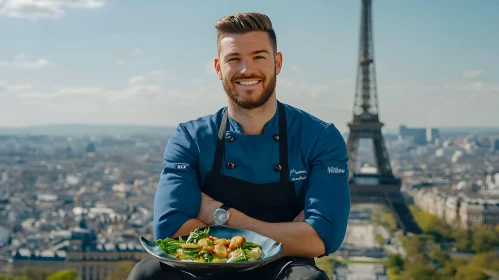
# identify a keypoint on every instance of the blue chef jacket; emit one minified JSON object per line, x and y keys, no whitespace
{"x":318,"y":166}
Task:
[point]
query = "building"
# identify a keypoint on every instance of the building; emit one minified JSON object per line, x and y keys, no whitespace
{"x":477,"y":211}
{"x":82,"y":252}
{"x":419,"y":136}
{"x":452,"y":204}
{"x":494,"y":144}
{"x":464,"y":208}
{"x":433,"y":136}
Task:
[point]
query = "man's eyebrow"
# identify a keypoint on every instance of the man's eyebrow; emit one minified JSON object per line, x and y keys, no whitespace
{"x":255,"y":52}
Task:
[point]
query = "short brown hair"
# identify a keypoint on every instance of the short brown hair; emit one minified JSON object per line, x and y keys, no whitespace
{"x":241,"y":23}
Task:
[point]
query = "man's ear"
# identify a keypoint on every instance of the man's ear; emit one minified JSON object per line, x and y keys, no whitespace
{"x":216,"y":64}
{"x":278,"y":63}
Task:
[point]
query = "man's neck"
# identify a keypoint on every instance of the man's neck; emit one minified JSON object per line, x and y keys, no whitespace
{"x":253,"y":121}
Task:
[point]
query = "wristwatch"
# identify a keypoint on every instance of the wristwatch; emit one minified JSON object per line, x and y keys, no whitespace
{"x":221,"y":215}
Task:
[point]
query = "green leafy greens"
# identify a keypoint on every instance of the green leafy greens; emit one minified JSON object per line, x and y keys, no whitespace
{"x":197,"y":235}
{"x":170,"y":245}
{"x":201,"y":247}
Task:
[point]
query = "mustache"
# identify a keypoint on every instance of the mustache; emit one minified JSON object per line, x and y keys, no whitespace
{"x":246,"y":77}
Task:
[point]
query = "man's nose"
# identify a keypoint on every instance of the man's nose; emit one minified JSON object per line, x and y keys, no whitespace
{"x":247,"y":66}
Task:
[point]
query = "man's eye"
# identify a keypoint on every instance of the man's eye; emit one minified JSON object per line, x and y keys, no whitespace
{"x":232,"y":59}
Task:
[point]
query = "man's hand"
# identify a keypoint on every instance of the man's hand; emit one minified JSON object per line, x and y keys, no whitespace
{"x":208,"y":207}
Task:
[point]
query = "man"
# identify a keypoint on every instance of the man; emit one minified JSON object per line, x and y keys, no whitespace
{"x":267,"y":166}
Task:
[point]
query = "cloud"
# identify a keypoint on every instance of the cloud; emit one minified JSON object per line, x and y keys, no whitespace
{"x":36,"y":9}
{"x":142,"y":102}
{"x":313,"y":91}
{"x":151,"y":76}
{"x":440,"y":104}
{"x":402,"y":86}
{"x":20,"y":87}
{"x":136,"y":80}
{"x":143,"y":98}
{"x":159,"y":74}
{"x":479,"y":91}
{"x":3,"y":87}
{"x":12,"y":88}
{"x":475,"y":73}
{"x":480,"y":87}
{"x":120,"y":62}
{"x":491,"y":89}
{"x":138,"y":87}
{"x":22,"y":61}
{"x":63,"y":94}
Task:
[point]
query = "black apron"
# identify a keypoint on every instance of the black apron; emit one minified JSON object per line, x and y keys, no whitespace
{"x":269,"y":202}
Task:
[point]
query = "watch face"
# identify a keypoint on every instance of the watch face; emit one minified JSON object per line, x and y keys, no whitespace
{"x":221,"y":216}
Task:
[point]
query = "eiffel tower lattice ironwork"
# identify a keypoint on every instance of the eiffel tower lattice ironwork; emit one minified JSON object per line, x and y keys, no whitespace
{"x":382,"y":187}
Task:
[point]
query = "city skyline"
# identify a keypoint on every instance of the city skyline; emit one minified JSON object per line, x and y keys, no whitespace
{"x":117,"y":62}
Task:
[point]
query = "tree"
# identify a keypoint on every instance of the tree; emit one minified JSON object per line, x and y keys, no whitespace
{"x":33,"y":273}
{"x":393,"y":273}
{"x":470,"y":272}
{"x":463,"y":239}
{"x":489,"y":260}
{"x":395,"y":261}
{"x":449,"y":269}
{"x":414,"y":247}
{"x":484,"y":239}
{"x":64,"y":275}
{"x":384,"y":218}
{"x":388,"y":221}
{"x":9,"y":277}
{"x":418,"y":272}
{"x":379,"y":239}
{"x":431,"y":224}
{"x":438,"y":255}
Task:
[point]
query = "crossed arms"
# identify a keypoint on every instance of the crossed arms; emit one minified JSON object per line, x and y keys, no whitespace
{"x":180,"y":207}
{"x":285,"y":233}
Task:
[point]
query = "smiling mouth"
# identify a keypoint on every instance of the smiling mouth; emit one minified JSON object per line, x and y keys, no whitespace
{"x":248,"y":83}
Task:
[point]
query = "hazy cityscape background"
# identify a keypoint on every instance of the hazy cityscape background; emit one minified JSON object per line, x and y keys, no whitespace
{"x":91,"y":90}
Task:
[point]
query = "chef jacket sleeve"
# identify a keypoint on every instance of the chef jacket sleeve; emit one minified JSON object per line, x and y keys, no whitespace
{"x":327,"y":200}
{"x":178,"y":196}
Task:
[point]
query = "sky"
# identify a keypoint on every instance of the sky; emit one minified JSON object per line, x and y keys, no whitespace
{"x":151,"y":62}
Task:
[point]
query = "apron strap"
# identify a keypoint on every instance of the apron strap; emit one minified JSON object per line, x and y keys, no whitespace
{"x":217,"y":164}
{"x":283,"y":143}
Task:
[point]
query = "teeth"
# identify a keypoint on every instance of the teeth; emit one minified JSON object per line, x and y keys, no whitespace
{"x":248,"y":83}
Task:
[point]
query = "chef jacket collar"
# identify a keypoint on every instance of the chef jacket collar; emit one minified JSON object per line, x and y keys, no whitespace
{"x":270,"y":127}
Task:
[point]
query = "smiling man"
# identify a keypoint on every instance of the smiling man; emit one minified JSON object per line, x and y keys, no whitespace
{"x":256,"y":164}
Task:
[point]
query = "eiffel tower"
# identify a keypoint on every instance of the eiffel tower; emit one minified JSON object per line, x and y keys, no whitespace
{"x":382,"y":187}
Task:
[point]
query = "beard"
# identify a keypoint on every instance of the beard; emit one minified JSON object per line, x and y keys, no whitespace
{"x":250,"y":103}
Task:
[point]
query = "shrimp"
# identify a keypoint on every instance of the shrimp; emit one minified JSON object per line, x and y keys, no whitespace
{"x":236,"y":242}
{"x":190,"y":246}
{"x":221,"y":251}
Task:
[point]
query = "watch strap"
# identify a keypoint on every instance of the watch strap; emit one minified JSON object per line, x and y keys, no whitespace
{"x":225,"y":207}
